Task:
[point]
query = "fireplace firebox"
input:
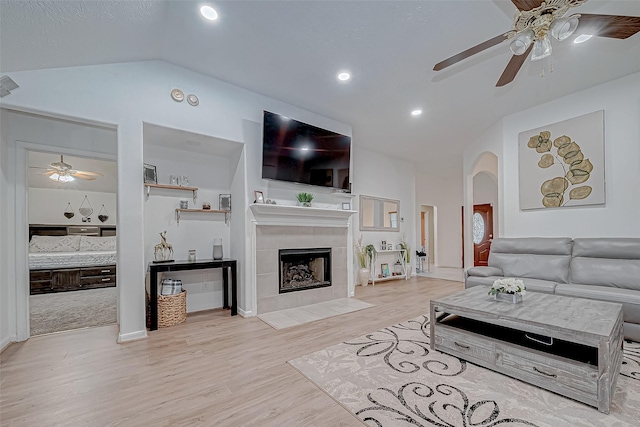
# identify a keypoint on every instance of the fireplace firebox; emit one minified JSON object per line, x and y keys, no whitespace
{"x":302,"y":269}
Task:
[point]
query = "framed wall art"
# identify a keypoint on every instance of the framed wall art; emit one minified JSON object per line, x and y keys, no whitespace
{"x":150,"y":174}
{"x":562,"y":164}
{"x":225,"y":202}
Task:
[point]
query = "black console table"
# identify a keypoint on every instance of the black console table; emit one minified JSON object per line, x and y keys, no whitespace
{"x":225,"y":264}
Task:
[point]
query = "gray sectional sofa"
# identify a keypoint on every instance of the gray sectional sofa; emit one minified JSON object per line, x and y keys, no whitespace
{"x":606,"y":269}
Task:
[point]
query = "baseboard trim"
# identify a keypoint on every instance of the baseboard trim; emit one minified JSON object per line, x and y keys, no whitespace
{"x":243,"y":313}
{"x":132,"y":336}
{"x":7,"y":342}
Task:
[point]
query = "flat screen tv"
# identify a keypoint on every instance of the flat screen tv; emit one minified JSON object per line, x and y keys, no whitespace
{"x":293,"y":151}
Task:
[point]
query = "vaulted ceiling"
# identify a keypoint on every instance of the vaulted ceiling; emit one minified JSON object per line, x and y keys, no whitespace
{"x":292,"y":51}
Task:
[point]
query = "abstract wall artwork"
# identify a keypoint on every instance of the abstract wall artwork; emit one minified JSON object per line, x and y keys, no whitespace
{"x":562,"y":165}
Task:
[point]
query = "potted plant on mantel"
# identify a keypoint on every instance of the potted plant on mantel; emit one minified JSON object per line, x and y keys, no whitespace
{"x":305,"y":199}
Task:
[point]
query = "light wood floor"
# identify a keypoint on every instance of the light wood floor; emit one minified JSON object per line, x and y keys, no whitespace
{"x":214,"y":370}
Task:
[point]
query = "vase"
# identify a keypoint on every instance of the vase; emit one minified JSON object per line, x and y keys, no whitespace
{"x":217,"y":248}
{"x":363,"y":276}
{"x":512,"y":298}
{"x":306,"y":204}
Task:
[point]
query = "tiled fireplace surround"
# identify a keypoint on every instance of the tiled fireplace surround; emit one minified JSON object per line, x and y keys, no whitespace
{"x":270,"y":238}
{"x":291,"y":227}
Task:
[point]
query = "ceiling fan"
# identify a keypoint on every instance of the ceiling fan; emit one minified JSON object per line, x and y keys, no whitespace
{"x":63,"y":172}
{"x":535,"y":20}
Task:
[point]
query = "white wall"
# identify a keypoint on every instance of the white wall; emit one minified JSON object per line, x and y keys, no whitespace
{"x":126,"y":95}
{"x":47,"y":206}
{"x":379,"y":175}
{"x":620,"y":100}
{"x":7,"y":272}
{"x":445,"y":194}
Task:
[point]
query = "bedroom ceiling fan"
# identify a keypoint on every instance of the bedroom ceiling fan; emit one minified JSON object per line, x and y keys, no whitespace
{"x":537,"y":20}
{"x":63,"y":172}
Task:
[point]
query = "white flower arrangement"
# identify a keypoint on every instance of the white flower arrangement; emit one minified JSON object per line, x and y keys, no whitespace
{"x":508,"y":286}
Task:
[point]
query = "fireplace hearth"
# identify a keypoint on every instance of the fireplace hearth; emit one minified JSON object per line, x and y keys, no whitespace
{"x":302,"y":269}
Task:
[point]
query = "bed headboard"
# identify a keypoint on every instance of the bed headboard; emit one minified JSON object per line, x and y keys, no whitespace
{"x":76,"y":230}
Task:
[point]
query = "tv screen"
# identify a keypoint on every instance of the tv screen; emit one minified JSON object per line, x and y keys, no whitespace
{"x":293,"y":151}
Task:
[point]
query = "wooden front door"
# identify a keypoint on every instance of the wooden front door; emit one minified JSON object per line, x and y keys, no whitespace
{"x":482,"y":233}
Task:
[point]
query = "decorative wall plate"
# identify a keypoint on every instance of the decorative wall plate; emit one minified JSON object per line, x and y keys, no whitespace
{"x":193,"y":100}
{"x":177,"y":95}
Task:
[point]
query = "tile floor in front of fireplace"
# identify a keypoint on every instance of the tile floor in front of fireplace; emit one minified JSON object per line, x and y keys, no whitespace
{"x":309,"y":313}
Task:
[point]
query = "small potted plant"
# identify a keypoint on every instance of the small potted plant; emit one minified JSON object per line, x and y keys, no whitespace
{"x":407,"y":253}
{"x":305,"y":199}
{"x":508,"y":289}
{"x":361,"y":255}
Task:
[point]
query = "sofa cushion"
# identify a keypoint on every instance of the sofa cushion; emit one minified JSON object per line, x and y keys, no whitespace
{"x":484,"y":271}
{"x":54,"y":244}
{"x":89,"y":243}
{"x":612,"y":262}
{"x":532,"y":245}
{"x":629,"y":299}
{"x":618,"y":248}
{"x":545,"y":258}
{"x":554,"y":268}
{"x":533,"y":285}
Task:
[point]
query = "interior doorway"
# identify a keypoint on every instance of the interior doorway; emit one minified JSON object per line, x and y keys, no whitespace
{"x":72,"y":245}
{"x":427,"y":237}
{"x":482,"y":233}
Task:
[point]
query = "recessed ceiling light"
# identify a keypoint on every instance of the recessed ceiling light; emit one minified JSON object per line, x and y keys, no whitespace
{"x":582,"y":38}
{"x":416,"y":112}
{"x":344,"y":76}
{"x":209,"y":13}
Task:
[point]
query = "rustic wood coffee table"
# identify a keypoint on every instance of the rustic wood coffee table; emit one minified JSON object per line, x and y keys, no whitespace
{"x":571,"y":346}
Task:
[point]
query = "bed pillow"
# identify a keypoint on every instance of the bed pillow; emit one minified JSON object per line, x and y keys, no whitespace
{"x":54,"y":244}
{"x":88,"y":243}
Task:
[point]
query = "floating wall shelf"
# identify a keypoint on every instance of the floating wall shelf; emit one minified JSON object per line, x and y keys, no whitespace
{"x":226,"y":213}
{"x":172,"y":187}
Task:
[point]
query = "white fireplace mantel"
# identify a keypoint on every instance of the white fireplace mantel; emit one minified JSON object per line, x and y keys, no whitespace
{"x":266,"y":214}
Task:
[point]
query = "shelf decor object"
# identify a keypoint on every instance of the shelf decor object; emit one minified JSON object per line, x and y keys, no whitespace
{"x":149,"y":174}
{"x":163,"y":251}
{"x":225,"y":202}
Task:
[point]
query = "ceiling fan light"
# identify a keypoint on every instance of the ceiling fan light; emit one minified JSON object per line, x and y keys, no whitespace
{"x":562,"y":28}
{"x":61,"y":178}
{"x":521,"y":42}
{"x":541,"y":49}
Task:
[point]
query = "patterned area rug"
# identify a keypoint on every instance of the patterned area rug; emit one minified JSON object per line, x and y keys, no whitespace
{"x":391,"y":378}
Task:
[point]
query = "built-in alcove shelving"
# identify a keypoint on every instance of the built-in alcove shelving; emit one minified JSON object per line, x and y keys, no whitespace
{"x":149,"y":186}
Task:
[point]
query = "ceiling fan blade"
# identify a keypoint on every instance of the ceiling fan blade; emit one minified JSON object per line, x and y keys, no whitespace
{"x":87,"y":173}
{"x":48,"y":173}
{"x":82,"y":176}
{"x":513,"y":67}
{"x":614,"y":26}
{"x":38,"y":167}
{"x":470,"y":52}
{"x":526,"y":4}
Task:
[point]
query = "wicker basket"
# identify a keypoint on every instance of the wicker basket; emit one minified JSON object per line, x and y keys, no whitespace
{"x":172,"y":309}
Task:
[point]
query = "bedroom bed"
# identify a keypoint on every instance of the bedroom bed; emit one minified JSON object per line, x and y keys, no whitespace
{"x":70,"y":261}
